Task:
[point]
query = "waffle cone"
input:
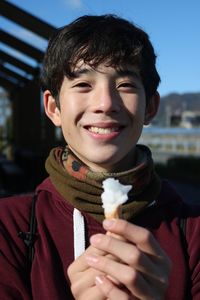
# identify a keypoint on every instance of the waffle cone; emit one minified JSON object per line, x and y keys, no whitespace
{"x":116,"y":215}
{"x":113,"y":215}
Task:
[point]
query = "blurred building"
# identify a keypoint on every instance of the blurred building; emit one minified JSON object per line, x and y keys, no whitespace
{"x":190,"y":119}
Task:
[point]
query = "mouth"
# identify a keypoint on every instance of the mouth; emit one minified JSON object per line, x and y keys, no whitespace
{"x":102,"y":130}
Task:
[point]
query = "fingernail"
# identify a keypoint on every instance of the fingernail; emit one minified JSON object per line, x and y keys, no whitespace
{"x":91,"y":259}
{"x":108,"y":223}
{"x":95,"y":239}
{"x":99,"y":280}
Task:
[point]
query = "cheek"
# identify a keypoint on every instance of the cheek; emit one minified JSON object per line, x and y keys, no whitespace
{"x":66,"y":120}
{"x":72,"y":109}
{"x":68,"y":134}
{"x":69,"y":120}
{"x":136,"y":110}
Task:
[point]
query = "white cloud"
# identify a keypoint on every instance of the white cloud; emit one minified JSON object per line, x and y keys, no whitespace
{"x":76,"y":4}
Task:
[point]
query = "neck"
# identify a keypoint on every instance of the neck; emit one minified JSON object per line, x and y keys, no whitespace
{"x":125,"y":164}
{"x":83,"y":188}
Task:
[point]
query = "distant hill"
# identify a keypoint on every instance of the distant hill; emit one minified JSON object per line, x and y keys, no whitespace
{"x":175,"y":104}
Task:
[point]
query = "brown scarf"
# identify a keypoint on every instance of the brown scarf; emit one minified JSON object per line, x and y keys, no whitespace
{"x":83,"y":187}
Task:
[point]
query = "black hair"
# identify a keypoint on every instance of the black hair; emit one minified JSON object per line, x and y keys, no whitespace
{"x":95,"y":40}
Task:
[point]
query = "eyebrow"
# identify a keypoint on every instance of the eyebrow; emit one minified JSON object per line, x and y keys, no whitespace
{"x":130,"y":73}
{"x":79,"y":72}
{"x":122,"y":73}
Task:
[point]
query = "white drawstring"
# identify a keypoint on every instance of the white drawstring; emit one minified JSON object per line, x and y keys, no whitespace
{"x":79,"y":233}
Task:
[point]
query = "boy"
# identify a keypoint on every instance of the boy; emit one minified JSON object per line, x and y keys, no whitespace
{"x":100,"y":85}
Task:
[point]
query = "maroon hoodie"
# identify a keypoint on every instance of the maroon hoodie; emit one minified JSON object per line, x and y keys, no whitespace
{"x":54,"y":245}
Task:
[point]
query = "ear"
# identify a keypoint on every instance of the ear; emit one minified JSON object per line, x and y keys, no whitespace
{"x":51,"y":109}
{"x":152,"y":108}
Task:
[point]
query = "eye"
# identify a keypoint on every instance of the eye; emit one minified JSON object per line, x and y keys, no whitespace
{"x":126,"y":86}
{"x":82,"y":86}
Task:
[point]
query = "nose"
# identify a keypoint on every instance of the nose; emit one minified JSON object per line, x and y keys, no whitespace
{"x":107,"y":100}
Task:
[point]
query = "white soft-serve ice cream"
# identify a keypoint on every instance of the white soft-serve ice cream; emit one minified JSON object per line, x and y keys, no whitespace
{"x":114,"y":195}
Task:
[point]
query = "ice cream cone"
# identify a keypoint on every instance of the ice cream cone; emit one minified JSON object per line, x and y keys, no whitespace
{"x":113,"y":196}
{"x":115,"y":214}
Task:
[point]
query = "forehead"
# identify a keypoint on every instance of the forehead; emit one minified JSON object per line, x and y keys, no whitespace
{"x":122,"y":70}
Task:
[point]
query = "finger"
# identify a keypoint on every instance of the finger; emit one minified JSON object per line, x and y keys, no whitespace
{"x":90,"y":294}
{"x":80,"y":265}
{"x":111,"y":291}
{"x":129,"y":277}
{"x":84,"y":279}
{"x":129,"y":254}
{"x":135,"y":234}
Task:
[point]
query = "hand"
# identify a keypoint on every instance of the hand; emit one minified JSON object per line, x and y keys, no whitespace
{"x":142,"y":267}
{"x":82,"y":277}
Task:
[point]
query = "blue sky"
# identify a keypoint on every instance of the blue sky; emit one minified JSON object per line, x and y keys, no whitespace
{"x":173,"y":27}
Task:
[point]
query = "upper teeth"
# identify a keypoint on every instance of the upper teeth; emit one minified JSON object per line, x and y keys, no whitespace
{"x":102,"y":130}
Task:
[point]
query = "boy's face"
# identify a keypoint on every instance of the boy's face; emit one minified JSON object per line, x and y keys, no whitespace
{"x":102,"y":113}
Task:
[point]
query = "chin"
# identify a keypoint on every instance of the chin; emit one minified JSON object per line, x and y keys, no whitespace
{"x":103,"y":165}
{"x":103,"y":157}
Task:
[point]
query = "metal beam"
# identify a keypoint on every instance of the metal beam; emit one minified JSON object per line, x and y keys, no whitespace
{"x":25,"y":19}
{"x":21,"y":46}
{"x":12,"y":74}
{"x":4,"y":57}
{"x":7,"y":84}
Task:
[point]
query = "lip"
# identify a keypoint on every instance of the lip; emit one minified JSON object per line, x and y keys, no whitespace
{"x":102,"y":135}
{"x":104,"y":125}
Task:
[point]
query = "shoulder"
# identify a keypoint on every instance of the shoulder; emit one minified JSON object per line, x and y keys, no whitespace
{"x":168,"y":202}
{"x":14,"y":217}
{"x":175,"y":208}
{"x":168,"y":192}
{"x":15,"y":210}
{"x":191,"y":215}
{"x":169,"y":199}
{"x":15,"y":207}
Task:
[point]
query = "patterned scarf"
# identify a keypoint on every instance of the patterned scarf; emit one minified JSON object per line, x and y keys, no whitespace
{"x":83,"y":188}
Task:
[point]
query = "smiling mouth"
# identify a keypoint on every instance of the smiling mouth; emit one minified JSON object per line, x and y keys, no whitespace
{"x":100,"y":130}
